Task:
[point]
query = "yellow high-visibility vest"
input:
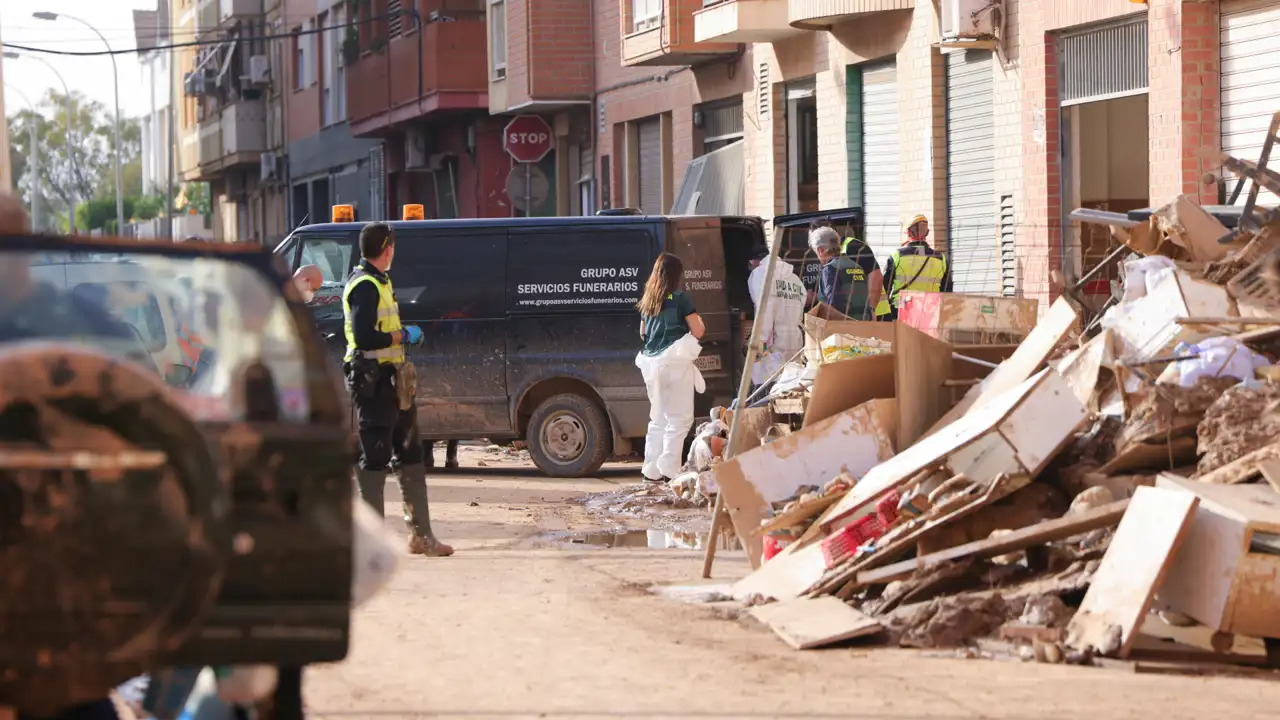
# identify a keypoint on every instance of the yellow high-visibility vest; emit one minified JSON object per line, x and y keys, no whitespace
{"x":388,"y":319}
{"x":924,"y":273}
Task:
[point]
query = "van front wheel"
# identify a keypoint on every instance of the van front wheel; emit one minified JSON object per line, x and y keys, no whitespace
{"x":568,"y":436}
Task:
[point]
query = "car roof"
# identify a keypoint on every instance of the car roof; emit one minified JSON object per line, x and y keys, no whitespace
{"x":477,"y":223}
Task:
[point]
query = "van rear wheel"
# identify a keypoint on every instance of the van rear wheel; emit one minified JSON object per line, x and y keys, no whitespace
{"x":568,"y":436}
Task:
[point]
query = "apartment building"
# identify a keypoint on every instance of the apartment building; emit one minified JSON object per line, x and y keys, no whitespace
{"x":993,"y":117}
{"x":327,"y":165}
{"x":231,"y":129}
{"x":151,"y":32}
{"x":415,"y":80}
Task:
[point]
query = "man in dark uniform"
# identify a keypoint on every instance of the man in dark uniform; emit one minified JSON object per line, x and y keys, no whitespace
{"x":851,"y":283}
{"x":382,"y":385}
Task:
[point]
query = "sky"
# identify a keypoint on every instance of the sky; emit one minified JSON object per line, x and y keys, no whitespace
{"x":89,"y":75}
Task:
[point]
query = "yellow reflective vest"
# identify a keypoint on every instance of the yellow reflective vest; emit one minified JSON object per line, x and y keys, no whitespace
{"x":912,"y":271}
{"x":388,"y":319}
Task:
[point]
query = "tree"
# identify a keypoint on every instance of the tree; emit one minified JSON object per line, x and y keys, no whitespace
{"x":72,"y":174}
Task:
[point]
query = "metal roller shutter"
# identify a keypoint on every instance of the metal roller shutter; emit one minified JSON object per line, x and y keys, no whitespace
{"x":972,"y":236}
{"x":650,"y":152}
{"x":1250,"y":42}
{"x":881,"y":159}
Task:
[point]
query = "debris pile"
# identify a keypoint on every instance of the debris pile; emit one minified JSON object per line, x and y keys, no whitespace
{"x":1043,"y":489}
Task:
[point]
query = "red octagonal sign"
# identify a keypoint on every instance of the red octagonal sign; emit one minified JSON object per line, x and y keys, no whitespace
{"x":527,"y":138}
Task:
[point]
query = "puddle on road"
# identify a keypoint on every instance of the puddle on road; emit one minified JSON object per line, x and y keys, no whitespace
{"x":649,"y":539}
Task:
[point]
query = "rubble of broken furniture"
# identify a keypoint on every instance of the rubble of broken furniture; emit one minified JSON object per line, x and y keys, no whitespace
{"x":1110,"y":490}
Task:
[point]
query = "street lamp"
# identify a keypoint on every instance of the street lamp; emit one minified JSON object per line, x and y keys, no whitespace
{"x":71,"y":190}
{"x":115,"y":71}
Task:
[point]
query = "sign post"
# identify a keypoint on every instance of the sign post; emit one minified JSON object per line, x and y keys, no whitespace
{"x":527,"y":139}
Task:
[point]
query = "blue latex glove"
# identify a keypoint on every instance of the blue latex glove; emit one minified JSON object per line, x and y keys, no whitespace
{"x":412,"y":334}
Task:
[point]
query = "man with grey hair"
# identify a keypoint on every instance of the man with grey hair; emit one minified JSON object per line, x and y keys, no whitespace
{"x":850,"y":282}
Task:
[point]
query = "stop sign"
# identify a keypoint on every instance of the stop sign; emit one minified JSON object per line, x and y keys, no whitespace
{"x":527,"y":138}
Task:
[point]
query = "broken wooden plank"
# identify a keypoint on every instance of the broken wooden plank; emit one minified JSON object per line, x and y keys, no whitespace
{"x":1243,"y":468}
{"x":1015,"y":632}
{"x":1031,"y":354}
{"x":1026,"y":537}
{"x":801,"y":512}
{"x":1131,"y":572}
{"x":807,"y":623}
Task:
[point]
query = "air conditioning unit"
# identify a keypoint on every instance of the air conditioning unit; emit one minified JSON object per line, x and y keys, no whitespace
{"x":259,"y":71}
{"x":971,"y":23}
{"x":417,"y":150}
{"x":270,"y":166}
{"x":193,"y":84}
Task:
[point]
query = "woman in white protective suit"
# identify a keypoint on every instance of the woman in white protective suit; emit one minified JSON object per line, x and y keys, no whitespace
{"x":670,"y":328}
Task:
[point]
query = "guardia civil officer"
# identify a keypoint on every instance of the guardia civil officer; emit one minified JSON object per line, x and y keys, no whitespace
{"x":382,"y":388}
{"x":852,"y":282}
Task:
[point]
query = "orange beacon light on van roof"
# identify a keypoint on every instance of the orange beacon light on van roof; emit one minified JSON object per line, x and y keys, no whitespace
{"x":413,"y":212}
{"x":344,"y":213}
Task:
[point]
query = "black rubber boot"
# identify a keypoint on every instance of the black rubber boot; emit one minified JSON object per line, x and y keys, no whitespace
{"x":417,"y":513}
{"x":373,"y":485}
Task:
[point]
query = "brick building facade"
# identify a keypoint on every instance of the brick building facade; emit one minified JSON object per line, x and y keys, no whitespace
{"x":875,"y":103}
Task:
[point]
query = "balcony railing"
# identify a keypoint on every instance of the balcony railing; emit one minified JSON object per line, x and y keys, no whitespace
{"x":742,"y":21}
{"x":237,"y":136}
{"x":668,"y":39}
{"x":441,"y":68}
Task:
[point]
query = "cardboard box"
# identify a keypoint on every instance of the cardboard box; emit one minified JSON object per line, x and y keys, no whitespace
{"x":824,"y":321}
{"x":1147,"y":327}
{"x":968,"y":319}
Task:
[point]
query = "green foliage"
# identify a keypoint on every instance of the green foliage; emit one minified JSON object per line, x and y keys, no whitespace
{"x":100,"y":214}
{"x":148,"y":207}
{"x":71,"y":160}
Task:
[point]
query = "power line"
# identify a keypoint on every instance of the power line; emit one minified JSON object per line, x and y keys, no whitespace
{"x":206,"y":43}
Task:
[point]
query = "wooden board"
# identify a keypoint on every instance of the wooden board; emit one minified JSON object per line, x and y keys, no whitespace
{"x":1178,"y":452}
{"x":852,"y":442}
{"x":801,"y":512}
{"x":1052,"y":329}
{"x":1131,"y":572}
{"x":806,"y":623}
{"x":1026,"y":537}
{"x":846,"y":384}
{"x":921,"y":365}
{"x":1244,"y":468}
{"x":1049,"y":422}
{"x":755,"y":421}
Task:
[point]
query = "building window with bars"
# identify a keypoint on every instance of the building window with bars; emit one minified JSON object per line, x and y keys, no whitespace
{"x":498,"y":38}
{"x":645,"y":15}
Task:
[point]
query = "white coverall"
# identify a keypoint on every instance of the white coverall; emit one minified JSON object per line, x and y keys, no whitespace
{"x":781,"y":330}
{"x":671,"y":379}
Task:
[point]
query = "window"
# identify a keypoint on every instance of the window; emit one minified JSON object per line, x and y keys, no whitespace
{"x":132,"y":302}
{"x":299,"y":59}
{"x":337,"y":34}
{"x":453,"y":274}
{"x":326,"y":70}
{"x":331,"y":255}
{"x":569,"y":269}
{"x":645,"y":14}
{"x":498,"y":38}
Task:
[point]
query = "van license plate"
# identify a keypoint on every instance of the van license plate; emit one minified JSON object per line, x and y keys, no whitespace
{"x":707,"y":363}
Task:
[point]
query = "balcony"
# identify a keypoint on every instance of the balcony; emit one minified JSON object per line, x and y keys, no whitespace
{"x":450,"y":74}
{"x":545,"y":71}
{"x":214,"y":14}
{"x":237,"y":137}
{"x":823,"y":14}
{"x":666,"y":38}
{"x":207,"y":16}
{"x":743,"y":21}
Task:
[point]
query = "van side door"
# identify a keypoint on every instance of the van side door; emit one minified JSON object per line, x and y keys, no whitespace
{"x":450,"y":282}
{"x":571,"y":296}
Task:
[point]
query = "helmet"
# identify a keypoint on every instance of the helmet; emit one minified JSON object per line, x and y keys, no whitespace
{"x":920,"y":218}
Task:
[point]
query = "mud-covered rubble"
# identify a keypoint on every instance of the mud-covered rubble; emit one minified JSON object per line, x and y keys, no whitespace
{"x":1061,"y":501}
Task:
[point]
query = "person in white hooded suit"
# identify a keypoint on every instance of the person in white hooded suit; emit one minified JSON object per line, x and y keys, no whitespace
{"x":669,"y":328}
{"x":781,"y":333}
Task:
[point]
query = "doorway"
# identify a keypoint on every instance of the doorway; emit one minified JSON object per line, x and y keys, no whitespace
{"x":802,"y":147}
{"x":1108,"y":166}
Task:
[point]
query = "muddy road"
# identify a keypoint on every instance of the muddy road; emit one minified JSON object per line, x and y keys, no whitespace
{"x":547,"y":611}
